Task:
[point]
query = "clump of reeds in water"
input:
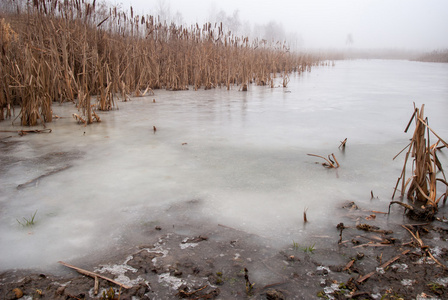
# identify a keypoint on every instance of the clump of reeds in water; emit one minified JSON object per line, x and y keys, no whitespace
{"x":71,"y":50}
{"x":422,"y":186}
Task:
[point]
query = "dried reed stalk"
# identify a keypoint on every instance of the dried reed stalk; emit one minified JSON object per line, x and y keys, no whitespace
{"x":423,"y":247}
{"x":330,"y":163}
{"x":57,"y":50}
{"x":383,"y":266}
{"x":422,"y":186}
{"x":94,"y":275}
{"x":343,"y":143}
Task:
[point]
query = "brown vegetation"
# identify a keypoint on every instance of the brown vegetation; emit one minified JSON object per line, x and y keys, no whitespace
{"x":440,"y":56}
{"x":422,"y":186}
{"x":69,"y":50}
{"x":329,"y":163}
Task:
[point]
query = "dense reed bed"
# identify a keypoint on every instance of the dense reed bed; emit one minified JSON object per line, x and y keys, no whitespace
{"x":434,"y":56}
{"x":74,"y":49}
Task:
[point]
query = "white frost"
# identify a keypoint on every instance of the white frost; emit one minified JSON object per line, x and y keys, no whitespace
{"x":442,"y":281}
{"x":407,"y":282}
{"x":172,"y":281}
{"x":187,"y":245}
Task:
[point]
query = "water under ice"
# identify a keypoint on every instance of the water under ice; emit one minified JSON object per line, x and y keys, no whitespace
{"x":244,"y":163}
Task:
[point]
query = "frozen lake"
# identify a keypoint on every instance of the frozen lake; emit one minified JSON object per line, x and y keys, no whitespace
{"x":221,"y":157}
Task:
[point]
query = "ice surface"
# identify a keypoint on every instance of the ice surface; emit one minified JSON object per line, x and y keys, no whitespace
{"x":244,"y":164}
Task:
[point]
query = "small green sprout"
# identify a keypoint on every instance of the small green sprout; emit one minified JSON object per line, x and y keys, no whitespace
{"x":28,"y":222}
{"x":295,"y":245}
{"x":309,"y":249}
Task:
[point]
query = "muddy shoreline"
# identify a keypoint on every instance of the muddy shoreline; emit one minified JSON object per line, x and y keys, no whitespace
{"x":221,"y":262}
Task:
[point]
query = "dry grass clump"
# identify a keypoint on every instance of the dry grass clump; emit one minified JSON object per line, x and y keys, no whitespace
{"x":422,"y":186}
{"x":70,"y":50}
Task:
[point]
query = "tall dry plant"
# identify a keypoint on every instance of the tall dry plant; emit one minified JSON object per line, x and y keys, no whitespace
{"x":94,"y":55}
{"x":422,"y":185}
{"x":8,"y":37}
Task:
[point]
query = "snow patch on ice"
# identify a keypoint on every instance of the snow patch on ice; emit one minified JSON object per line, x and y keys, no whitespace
{"x":407,"y":282}
{"x":442,"y":281}
{"x":436,"y":251}
{"x":172,"y":281}
{"x":331,"y":289}
{"x":403,"y":268}
{"x":119,"y":271}
{"x":187,"y":245}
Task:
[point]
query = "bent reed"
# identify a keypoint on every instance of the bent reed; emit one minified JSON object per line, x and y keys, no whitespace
{"x":56,"y":51}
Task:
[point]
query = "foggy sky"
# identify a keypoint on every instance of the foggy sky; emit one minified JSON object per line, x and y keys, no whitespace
{"x":410,"y":24}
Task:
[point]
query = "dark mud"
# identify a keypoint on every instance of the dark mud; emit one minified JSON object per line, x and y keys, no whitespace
{"x":220,"y":262}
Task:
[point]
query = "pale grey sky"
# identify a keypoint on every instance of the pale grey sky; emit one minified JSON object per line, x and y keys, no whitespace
{"x":417,"y":24}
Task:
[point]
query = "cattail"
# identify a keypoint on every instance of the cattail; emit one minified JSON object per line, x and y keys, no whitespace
{"x":108,"y":55}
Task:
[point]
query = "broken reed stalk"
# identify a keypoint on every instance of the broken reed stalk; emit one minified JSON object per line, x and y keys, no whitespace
{"x":184,"y":294}
{"x":422,"y":245}
{"x":330,"y":163}
{"x":305,"y":220}
{"x":93,"y":275}
{"x":56,"y":50}
{"x":383,"y":266}
{"x":342,"y":145}
{"x":422,"y":186}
